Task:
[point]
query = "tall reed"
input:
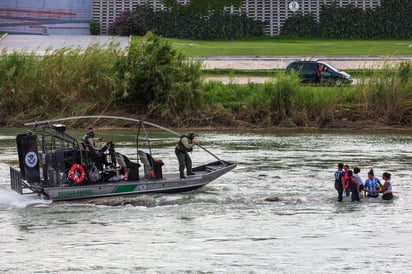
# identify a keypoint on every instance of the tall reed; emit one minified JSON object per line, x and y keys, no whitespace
{"x":151,"y":77}
{"x":64,"y":81}
{"x":387,"y":95}
{"x":384,"y":96}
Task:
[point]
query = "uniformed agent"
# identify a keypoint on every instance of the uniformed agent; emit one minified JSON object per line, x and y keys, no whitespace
{"x":184,"y":146}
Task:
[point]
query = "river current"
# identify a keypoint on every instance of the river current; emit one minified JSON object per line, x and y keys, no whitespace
{"x":275,"y":213}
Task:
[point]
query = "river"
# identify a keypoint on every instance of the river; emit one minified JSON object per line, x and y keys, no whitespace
{"x":229,"y":226}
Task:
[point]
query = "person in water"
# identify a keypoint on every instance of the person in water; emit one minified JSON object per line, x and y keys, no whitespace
{"x":339,"y":183}
{"x":387,"y":187}
{"x":346,"y":188}
{"x":372,"y":185}
{"x":354,"y":186}
{"x":184,"y":146}
{"x":356,"y":171}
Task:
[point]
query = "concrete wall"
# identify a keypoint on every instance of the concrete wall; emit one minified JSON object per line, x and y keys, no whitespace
{"x":45,"y":16}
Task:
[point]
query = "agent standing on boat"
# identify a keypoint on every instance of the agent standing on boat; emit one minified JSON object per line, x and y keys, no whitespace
{"x":387,"y":187}
{"x":339,"y":183}
{"x":184,"y":146}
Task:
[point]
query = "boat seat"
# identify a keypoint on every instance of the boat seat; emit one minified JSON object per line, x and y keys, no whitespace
{"x":147,"y":166}
{"x":120,"y":160}
{"x":124,"y":161}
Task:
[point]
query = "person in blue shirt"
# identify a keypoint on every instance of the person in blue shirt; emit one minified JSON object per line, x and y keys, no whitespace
{"x":372,"y":185}
{"x":339,"y":182}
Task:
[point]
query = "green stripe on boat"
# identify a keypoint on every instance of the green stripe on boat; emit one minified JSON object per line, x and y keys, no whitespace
{"x":122,"y":189}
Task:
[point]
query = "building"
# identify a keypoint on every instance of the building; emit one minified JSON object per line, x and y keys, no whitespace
{"x":45,"y":17}
{"x":72,"y":17}
{"x":273,"y":12}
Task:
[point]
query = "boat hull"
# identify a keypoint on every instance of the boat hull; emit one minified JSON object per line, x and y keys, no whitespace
{"x":170,"y":183}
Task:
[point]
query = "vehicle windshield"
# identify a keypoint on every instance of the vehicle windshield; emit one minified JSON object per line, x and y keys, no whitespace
{"x":329,"y":66}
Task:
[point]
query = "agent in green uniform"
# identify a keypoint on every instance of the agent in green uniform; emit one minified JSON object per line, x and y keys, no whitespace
{"x":184,"y":146}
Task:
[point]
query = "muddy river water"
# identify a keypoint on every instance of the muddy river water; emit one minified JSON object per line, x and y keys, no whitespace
{"x":275,"y":213}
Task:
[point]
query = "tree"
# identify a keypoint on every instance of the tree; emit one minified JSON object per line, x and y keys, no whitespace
{"x":203,"y":7}
{"x":156,"y":75}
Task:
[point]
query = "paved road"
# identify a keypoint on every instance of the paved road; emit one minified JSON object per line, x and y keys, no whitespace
{"x":41,"y":43}
{"x":344,"y":62}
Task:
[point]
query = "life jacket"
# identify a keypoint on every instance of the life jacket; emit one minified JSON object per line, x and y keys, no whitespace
{"x":181,"y":147}
{"x":88,"y":140}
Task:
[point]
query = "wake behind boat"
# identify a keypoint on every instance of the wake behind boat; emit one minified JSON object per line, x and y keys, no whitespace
{"x":56,"y":165}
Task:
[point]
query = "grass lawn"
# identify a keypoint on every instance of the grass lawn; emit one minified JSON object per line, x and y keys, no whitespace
{"x":290,"y":47}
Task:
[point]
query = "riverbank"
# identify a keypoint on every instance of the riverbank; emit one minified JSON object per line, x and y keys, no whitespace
{"x":102,"y":80}
{"x":237,"y":125}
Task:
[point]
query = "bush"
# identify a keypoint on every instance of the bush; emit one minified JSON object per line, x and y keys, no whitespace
{"x":181,"y":23}
{"x":300,"y":26}
{"x":94,"y":27}
{"x":157,"y":76}
{"x":392,"y":20}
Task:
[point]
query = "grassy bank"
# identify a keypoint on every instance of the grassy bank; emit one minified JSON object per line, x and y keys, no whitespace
{"x":290,"y":47}
{"x":382,"y":99}
{"x":153,"y":81}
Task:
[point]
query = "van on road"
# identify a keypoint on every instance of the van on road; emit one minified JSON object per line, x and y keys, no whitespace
{"x":319,"y":72}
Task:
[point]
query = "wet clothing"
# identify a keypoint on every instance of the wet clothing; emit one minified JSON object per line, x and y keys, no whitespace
{"x":354,"y":189}
{"x":338,"y":183}
{"x":387,"y":194}
{"x":360,"y":182}
{"x":346,"y":184}
{"x":372,"y":186}
{"x":184,"y":146}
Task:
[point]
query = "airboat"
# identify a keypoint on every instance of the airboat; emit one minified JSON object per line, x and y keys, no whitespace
{"x":59,"y":167}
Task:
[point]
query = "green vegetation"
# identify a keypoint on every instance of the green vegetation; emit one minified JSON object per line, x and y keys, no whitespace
{"x":94,"y":27}
{"x":202,"y":7}
{"x":292,"y":47}
{"x":188,"y":22}
{"x":208,"y":20}
{"x":383,"y":98}
{"x":157,"y":77}
{"x":153,"y":80}
{"x":391,"y":20}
